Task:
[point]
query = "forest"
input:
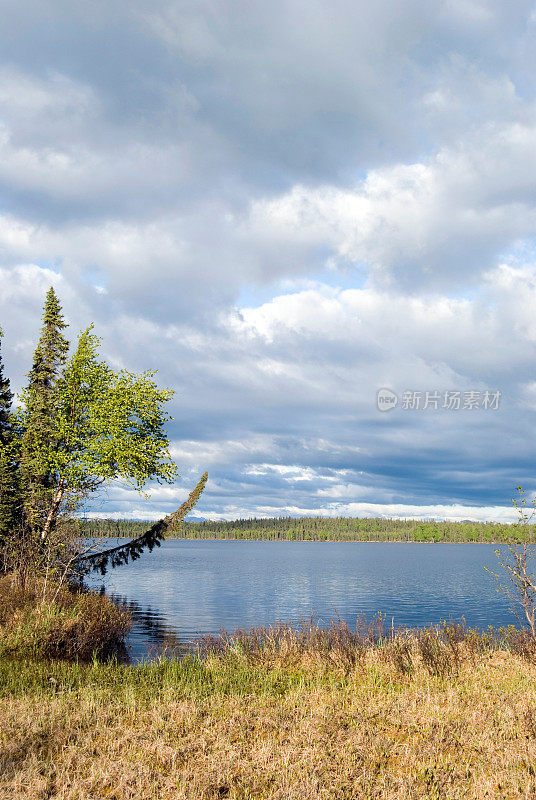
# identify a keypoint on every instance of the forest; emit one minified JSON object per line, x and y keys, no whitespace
{"x":322,"y":529}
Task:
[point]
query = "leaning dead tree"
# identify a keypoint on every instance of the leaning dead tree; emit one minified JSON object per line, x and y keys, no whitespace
{"x":130,"y":551}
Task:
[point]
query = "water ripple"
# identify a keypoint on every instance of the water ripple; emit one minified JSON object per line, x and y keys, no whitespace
{"x":188,"y":588}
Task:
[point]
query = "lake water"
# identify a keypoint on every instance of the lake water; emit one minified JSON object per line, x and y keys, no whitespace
{"x":186,"y":588}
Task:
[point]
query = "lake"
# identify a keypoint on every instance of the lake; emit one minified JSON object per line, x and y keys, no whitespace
{"x":186,"y":588}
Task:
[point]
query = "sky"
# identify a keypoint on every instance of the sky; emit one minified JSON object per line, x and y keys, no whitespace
{"x":285,"y":208}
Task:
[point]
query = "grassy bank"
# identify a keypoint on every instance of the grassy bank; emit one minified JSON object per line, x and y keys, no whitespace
{"x":41,"y":619}
{"x":279,"y":714}
{"x":321,"y":529}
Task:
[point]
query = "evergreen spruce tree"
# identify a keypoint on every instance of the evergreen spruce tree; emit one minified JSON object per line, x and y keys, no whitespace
{"x":40,"y":400}
{"x":6,"y":397}
{"x":9,"y":485}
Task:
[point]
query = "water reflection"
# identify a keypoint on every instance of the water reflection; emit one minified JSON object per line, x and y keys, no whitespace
{"x":151,"y":636}
{"x":187,"y":588}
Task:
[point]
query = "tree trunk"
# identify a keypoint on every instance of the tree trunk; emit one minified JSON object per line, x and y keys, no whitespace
{"x":53,"y":510}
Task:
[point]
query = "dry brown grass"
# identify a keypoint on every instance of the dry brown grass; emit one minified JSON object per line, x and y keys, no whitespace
{"x":375,"y":730}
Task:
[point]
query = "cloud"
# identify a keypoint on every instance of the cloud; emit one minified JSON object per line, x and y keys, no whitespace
{"x":435,"y":224}
{"x":279,"y":401}
{"x":450,"y":513}
{"x":284,"y":209}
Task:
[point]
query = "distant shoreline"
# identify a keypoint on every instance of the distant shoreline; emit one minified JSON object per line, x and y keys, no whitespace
{"x":308,"y":541}
{"x":323,"y":529}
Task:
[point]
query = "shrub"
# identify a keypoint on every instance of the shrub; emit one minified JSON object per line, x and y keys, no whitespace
{"x":50,"y":621}
{"x":338,"y":646}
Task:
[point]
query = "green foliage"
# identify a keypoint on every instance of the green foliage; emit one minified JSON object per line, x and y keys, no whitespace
{"x":81,"y":423}
{"x":9,"y":485}
{"x":124,"y":553}
{"x":318,"y":529}
{"x":85,"y":424}
{"x":427,"y":532}
{"x":106,"y":425}
{"x":40,"y":402}
{"x":6,"y":397}
{"x":9,"y":493}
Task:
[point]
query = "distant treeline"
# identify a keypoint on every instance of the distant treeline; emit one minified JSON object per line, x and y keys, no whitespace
{"x":322,"y":529}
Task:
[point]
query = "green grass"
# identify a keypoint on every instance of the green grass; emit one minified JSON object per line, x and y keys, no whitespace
{"x":188,"y":678}
{"x":41,"y":619}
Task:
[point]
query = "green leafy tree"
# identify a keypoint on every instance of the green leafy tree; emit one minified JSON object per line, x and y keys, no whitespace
{"x":81,"y":423}
{"x":106,"y":425}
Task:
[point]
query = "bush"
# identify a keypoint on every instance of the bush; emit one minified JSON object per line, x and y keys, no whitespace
{"x":49,"y":621}
{"x":442,"y":651}
{"x":338,"y":646}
